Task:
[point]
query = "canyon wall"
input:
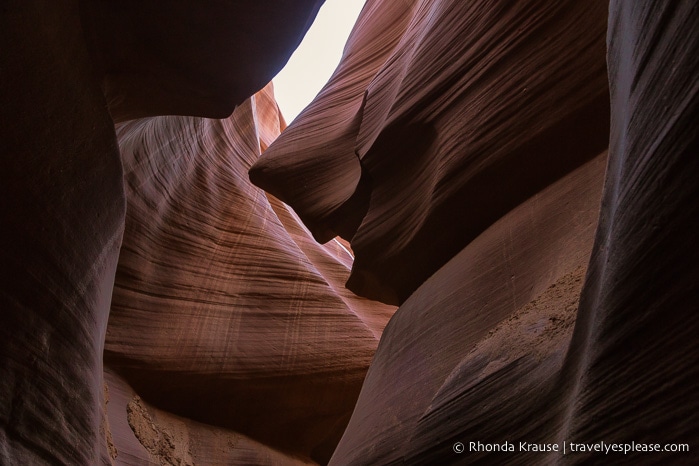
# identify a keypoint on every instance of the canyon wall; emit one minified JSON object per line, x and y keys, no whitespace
{"x":64,"y":76}
{"x":225,"y":311}
{"x":469,"y":145}
{"x":634,"y":353}
{"x":520,"y":177}
{"x":405,"y":150}
{"x":62,"y":206}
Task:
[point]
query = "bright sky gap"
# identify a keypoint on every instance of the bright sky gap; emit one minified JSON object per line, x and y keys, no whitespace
{"x":312,"y":64}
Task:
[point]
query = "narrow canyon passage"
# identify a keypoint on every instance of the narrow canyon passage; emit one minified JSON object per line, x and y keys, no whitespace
{"x":476,"y":245}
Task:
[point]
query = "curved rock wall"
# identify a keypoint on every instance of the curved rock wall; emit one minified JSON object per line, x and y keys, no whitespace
{"x":460,"y":146}
{"x":224,"y":309}
{"x":634,"y":353}
{"x":477,"y":347}
{"x":62,"y":200}
{"x":190,"y":57}
{"x":471,"y":158}
{"x":61,"y":215}
{"x":419,"y":129}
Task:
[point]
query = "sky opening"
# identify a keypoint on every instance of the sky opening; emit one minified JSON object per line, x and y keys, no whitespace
{"x":311,"y":65}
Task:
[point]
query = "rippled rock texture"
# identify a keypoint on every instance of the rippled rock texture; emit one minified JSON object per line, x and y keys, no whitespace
{"x":462,"y":148}
{"x":224,"y":309}
{"x":62,"y":208}
{"x":519,"y":176}
{"x":62,"y":195}
{"x":434,"y":105}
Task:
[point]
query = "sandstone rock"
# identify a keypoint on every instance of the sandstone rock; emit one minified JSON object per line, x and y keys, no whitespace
{"x":420,"y":130}
{"x":62,"y":202}
{"x":476,"y":348}
{"x":145,"y":435}
{"x":314,"y":164}
{"x":634,"y":352}
{"x":189,"y":57}
{"x":224,"y":309}
{"x":61,"y":211}
{"x":468,"y":346}
{"x":460,"y":146}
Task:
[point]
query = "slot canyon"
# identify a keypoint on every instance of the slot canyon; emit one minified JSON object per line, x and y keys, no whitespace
{"x":483,"y":229}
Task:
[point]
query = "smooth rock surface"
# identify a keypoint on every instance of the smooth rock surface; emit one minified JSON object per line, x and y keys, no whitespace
{"x":421,"y":130}
{"x":634,"y":353}
{"x":190,"y":57}
{"x":224,"y":309}
{"x":477,"y":347}
{"x":461,"y":146}
{"x":61,"y":215}
{"x":314,"y":164}
{"x":481,"y":361}
{"x":478,"y":159}
{"x":62,"y":200}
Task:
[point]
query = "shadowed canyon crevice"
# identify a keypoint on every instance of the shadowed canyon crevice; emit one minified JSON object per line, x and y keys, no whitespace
{"x":185,"y":280}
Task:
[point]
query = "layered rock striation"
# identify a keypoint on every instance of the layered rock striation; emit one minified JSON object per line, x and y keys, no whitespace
{"x":224,"y":309}
{"x":519,"y":176}
{"x":419,"y":129}
{"x":471,"y":153}
{"x":67,"y":68}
